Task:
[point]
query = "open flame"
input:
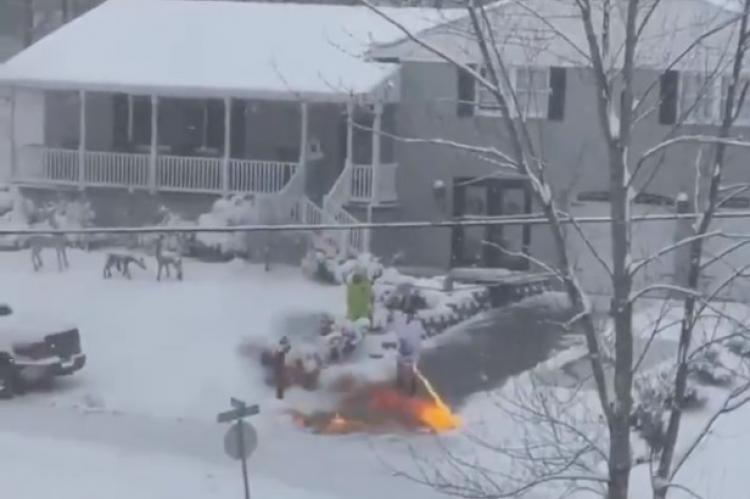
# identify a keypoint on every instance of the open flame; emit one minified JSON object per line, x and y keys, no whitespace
{"x":378,"y":407}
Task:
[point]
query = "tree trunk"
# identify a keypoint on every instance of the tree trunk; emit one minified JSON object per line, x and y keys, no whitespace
{"x":619,"y":439}
{"x":665,"y":470}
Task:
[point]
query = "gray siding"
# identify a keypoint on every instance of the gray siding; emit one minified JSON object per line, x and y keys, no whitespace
{"x":573,"y":149}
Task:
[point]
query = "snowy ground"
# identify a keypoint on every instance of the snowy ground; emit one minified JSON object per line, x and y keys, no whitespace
{"x":139,"y":420}
{"x":162,"y":362}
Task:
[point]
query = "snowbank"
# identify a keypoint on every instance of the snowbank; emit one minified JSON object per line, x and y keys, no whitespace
{"x":442,"y":308}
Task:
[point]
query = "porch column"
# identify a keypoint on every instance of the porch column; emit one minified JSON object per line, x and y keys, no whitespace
{"x":130,"y":119}
{"x":82,"y":139}
{"x":154,"y":143}
{"x":303,"y":145}
{"x":348,"y":170}
{"x":14,"y":170}
{"x":227,"y":145}
{"x":374,"y":166}
{"x":349,"y":132}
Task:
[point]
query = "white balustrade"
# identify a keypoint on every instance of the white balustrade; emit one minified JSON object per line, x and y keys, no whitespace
{"x":181,"y":173}
{"x":116,"y":169}
{"x":55,"y":166}
{"x":248,"y":175}
{"x":362,"y":183}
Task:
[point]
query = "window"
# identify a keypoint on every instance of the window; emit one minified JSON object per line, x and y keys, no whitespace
{"x":743,"y":117}
{"x":698,"y":98}
{"x":531,"y":87}
{"x":532,"y":91}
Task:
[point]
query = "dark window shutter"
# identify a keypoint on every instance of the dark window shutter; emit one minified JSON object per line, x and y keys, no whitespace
{"x":668,"y":97}
{"x":466,"y":92}
{"x":557,"y":84}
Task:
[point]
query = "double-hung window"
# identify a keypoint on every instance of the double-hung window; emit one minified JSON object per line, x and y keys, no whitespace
{"x":699,"y":102}
{"x":531,"y":89}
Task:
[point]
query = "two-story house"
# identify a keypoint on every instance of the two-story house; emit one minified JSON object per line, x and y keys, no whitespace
{"x":683,"y":59}
{"x":190,"y":100}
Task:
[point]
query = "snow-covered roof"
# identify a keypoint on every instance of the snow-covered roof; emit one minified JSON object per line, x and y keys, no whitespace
{"x":220,"y":48}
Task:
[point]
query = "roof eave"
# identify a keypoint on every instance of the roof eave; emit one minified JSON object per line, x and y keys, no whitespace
{"x":382,"y":91}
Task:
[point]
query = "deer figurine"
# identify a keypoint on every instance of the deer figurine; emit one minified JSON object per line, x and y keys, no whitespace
{"x":166,"y":259}
{"x":58,"y":242}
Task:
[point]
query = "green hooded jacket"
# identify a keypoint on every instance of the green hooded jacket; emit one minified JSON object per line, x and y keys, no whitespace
{"x":358,"y":299}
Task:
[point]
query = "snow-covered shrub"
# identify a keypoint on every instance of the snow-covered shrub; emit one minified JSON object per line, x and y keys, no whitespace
{"x":739,"y":345}
{"x":73,"y":214}
{"x":247,"y":209}
{"x":440,"y":309}
{"x":324,"y":261}
{"x":708,"y":369}
{"x":179,"y":242}
{"x":16,"y":212}
{"x":653,"y":398}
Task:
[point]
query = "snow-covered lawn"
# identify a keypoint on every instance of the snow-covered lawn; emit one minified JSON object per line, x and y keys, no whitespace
{"x":139,"y":420}
{"x":163,"y":361}
{"x":43,"y":467}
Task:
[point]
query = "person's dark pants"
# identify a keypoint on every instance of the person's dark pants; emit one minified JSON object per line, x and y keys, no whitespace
{"x":280,"y":376}
{"x":406,"y":378}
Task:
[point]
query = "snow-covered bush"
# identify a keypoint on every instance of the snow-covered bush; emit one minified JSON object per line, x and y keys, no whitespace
{"x":246,"y":209}
{"x":73,"y":214}
{"x":324,"y":261}
{"x":739,"y":345}
{"x":179,"y":242}
{"x":439,"y":308}
{"x":653,"y":397}
{"x":16,"y":212}
{"x":708,"y":369}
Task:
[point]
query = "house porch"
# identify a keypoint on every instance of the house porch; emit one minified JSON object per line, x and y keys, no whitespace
{"x":214,"y":146}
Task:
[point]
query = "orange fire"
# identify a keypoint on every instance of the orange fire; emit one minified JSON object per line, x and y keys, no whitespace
{"x":432,"y":413}
{"x":377,"y":408}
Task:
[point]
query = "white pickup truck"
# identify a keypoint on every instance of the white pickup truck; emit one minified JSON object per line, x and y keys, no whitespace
{"x":34,"y":351}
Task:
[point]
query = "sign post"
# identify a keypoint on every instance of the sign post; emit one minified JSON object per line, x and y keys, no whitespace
{"x":241,"y":439}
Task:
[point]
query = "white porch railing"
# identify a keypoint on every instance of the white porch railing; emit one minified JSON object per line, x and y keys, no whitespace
{"x":42,"y":165}
{"x":115,"y":169}
{"x":351,"y":241}
{"x":177,"y":173}
{"x":259,"y":176}
{"x":56,"y":166}
{"x":362,"y":183}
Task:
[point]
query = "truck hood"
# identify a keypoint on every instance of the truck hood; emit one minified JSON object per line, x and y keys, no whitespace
{"x":22,"y":327}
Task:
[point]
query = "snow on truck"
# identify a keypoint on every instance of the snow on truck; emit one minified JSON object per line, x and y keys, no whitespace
{"x":33,"y":352}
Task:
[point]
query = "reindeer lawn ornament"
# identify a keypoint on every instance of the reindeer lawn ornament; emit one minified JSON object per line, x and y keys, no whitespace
{"x":121,"y":262}
{"x":58,"y":242}
{"x":166,"y":259}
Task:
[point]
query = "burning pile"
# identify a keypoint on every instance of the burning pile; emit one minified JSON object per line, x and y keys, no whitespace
{"x":378,"y":408}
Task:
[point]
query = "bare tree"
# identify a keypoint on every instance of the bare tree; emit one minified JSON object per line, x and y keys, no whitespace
{"x":612,"y":40}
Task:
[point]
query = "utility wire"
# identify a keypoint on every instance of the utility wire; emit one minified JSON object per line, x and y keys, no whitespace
{"x":531,"y":219}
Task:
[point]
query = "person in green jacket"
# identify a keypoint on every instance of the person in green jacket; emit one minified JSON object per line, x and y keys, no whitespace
{"x":359,"y":298}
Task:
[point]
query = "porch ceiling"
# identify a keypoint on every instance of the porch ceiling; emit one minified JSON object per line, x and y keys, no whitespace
{"x":219,"y":49}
